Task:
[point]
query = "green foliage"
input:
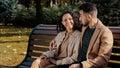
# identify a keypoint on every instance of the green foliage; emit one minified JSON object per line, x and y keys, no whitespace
{"x":7,"y":8}
{"x":22,"y":12}
{"x":52,"y":14}
{"x":23,"y":16}
{"x":109,"y":11}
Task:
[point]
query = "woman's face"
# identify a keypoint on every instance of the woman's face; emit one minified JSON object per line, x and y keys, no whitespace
{"x":67,"y":21}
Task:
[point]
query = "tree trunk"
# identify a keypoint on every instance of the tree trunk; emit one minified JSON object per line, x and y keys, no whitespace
{"x":48,"y":3}
{"x":53,"y":2}
{"x":39,"y":15}
{"x":74,"y":2}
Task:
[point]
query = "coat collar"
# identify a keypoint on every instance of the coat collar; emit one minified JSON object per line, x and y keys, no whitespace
{"x":95,"y":34}
{"x":72,"y":34}
{"x":71,"y":38}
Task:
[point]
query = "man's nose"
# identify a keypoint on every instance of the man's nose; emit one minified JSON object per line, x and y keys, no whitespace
{"x":79,"y":18}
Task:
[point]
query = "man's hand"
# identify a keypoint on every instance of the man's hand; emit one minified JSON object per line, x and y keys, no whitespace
{"x":52,"y":60}
{"x":51,"y":45}
{"x":43,"y":57}
{"x":74,"y":66}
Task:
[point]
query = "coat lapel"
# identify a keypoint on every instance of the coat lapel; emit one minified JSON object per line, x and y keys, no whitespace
{"x":94,"y":36}
{"x":72,"y":37}
{"x":83,"y":30}
{"x":61,"y":37}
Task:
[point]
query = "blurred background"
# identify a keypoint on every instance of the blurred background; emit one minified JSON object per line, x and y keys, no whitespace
{"x":18,"y":17}
{"x":32,"y":12}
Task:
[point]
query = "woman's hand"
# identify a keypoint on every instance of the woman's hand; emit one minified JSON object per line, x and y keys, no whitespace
{"x":52,"y":43}
{"x":52,"y":60}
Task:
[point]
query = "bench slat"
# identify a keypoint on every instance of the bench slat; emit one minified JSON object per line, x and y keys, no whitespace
{"x":22,"y":66}
{"x":30,"y":59}
{"x":38,"y":48}
{"x":43,"y":37}
{"x":116,"y":36}
{"x":45,"y":32}
{"x":38,"y":42}
{"x":116,"y":49}
{"x":115,"y":56}
{"x":35,"y":54}
{"x":27,"y":63}
{"x":49,"y":27}
{"x":113,"y":63}
{"x":117,"y":43}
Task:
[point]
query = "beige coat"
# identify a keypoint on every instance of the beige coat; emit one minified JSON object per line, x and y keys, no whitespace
{"x":100,"y":47}
{"x":72,"y":51}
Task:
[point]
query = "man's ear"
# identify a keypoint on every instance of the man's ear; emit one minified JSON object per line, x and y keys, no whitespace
{"x":89,"y":16}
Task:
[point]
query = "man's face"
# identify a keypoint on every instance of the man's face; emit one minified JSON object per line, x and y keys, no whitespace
{"x":83,"y":18}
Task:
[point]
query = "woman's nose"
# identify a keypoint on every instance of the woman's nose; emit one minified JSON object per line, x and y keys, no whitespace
{"x":68,"y":21}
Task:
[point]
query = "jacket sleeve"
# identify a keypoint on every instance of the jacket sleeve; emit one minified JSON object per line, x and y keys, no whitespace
{"x":53,"y":52}
{"x":106,"y":43}
{"x":74,"y":56}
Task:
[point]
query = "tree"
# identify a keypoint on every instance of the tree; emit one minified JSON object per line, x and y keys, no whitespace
{"x":37,"y":4}
{"x":74,"y":2}
{"x":6,"y":9}
{"x":26,"y":3}
{"x":50,"y":3}
{"x":39,"y":13}
{"x":109,"y":11}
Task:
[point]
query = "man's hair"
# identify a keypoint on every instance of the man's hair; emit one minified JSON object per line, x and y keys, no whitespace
{"x":89,"y":8}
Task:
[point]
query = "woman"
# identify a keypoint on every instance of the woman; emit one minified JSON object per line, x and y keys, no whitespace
{"x":66,"y":43}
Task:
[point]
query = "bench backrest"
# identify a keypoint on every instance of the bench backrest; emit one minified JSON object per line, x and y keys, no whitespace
{"x":40,"y":38}
{"x":38,"y":43}
{"x":115,"y":57}
{"x":41,"y":35}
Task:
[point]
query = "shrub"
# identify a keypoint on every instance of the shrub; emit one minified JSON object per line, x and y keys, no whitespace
{"x":52,"y":14}
{"x":109,"y":11}
{"x":7,"y":7}
{"x":24,"y":16}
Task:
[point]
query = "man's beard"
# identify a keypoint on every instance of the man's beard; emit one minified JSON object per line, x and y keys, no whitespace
{"x":86,"y":24}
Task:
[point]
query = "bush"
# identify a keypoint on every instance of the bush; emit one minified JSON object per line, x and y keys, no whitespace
{"x":24,"y":16}
{"x":6,"y":9}
{"x":52,"y":14}
{"x":109,"y":11}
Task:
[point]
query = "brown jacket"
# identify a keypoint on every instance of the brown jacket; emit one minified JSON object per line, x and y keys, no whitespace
{"x":100,"y":47}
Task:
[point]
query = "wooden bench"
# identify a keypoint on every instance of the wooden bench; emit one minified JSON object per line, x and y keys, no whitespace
{"x":38,"y":43}
{"x":41,"y":35}
{"x":115,"y":57}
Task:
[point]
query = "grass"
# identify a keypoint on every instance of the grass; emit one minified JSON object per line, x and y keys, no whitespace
{"x":13,"y":44}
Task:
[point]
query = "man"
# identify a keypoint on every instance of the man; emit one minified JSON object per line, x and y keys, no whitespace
{"x":96,"y":42}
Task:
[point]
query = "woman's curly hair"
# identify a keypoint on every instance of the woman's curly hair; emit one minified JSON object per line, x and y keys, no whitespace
{"x":75,"y":16}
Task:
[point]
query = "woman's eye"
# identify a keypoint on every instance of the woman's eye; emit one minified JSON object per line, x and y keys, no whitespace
{"x":70,"y":18}
{"x":65,"y":20}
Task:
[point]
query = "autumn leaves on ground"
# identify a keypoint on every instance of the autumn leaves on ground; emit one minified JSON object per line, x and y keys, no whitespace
{"x":13,"y":44}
